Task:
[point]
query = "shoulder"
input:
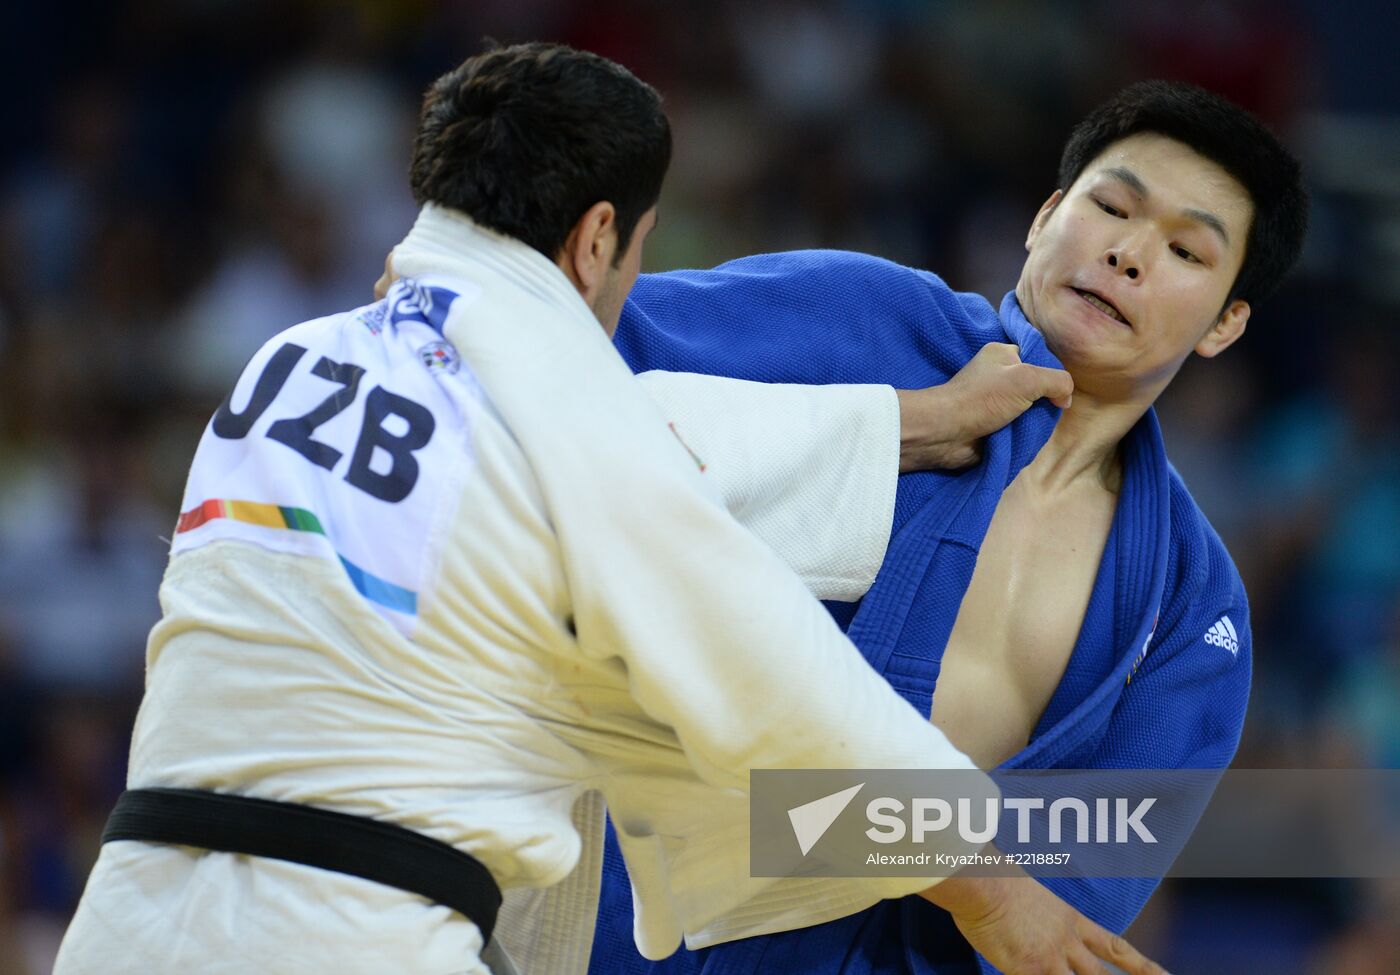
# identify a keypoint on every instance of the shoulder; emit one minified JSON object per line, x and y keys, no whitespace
{"x":1204,"y":559}
{"x":867,"y":318}
{"x":806,"y":267}
{"x":812,"y":280}
{"x":1203,"y":584}
{"x":320,"y":332}
{"x":850,"y":267}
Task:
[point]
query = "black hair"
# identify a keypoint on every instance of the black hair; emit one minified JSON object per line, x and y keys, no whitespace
{"x":524,"y":139}
{"x":1230,"y":137}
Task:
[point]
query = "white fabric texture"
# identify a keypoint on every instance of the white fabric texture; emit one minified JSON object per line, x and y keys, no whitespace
{"x":810,"y":470}
{"x":175,"y":909}
{"x":589,"y":617}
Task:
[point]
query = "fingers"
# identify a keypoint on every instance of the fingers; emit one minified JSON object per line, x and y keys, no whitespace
{"x":957,"y":457}
{"x":1114,"y":948}
{"x":1000,"y":352}
{"x":1056,"y":385}
{"x":1083,"y":962}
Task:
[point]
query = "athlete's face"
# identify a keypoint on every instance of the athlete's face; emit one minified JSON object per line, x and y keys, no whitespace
{"x":618,"y":281}
{"x":1158,"y":232}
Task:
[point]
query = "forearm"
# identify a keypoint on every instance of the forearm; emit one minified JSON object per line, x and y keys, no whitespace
{"x":811,"y":470}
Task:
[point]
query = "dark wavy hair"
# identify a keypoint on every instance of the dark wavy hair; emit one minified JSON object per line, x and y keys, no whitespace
{"x":1228,"y":136}
{"x":524,"y":139}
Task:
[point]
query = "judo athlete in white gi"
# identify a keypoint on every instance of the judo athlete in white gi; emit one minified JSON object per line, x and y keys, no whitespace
{"x":444,"y":572}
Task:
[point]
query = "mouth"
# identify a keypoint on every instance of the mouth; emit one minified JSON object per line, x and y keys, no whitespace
{"x":1102,"y":304}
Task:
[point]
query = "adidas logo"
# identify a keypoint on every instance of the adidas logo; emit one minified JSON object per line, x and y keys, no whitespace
{"x":1223,"y":634}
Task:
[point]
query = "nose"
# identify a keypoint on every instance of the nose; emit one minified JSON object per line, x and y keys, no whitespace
{"x":1123,"y":263}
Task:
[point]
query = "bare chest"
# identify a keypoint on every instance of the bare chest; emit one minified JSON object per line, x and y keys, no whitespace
{"x":1020,"y":618}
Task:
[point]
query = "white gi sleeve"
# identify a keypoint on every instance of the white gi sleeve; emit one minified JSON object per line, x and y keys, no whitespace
{"x":721,"y":640}
{"x":811,"y":470}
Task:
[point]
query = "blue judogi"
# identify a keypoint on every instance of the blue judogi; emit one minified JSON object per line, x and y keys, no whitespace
{"x":1144,"y":686}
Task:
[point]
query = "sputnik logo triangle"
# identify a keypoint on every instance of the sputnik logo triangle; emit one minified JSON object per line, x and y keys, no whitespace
{"x":811,"y":820}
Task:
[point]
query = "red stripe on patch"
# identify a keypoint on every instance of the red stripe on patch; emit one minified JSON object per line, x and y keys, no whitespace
{"x":192,"y":519}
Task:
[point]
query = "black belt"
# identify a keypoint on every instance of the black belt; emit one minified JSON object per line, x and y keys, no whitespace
{"x":382,"y":852}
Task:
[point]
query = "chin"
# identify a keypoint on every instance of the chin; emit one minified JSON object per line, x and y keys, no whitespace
{"x":1079,"y":351}
{"x":1068,"y":340}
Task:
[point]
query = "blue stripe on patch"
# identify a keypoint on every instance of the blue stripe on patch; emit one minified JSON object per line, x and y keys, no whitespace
{"x":413,"y":302}
{"x":380,"y":591}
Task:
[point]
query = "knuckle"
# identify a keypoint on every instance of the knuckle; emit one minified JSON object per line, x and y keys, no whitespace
{"x":1025,"y":377}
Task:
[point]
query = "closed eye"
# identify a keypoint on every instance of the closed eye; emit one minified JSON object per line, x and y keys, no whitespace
{"x":1112,"y":211}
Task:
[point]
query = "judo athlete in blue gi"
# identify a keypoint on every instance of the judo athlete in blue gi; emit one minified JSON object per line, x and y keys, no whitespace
{"x":1064,"y":603}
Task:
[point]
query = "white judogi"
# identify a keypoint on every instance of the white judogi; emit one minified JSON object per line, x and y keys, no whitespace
{"x":443,"y":562}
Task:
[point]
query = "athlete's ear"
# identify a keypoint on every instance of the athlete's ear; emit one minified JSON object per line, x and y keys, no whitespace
{"x":1043,"y":215}
{"x":588,"y":251}
{"x":1225,"y":332}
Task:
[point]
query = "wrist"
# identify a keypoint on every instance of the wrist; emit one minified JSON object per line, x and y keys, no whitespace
{"x":970,"y":896}
{"x":928,"y":437}
{"x":913,"y":428}
{"x":965,"y":896}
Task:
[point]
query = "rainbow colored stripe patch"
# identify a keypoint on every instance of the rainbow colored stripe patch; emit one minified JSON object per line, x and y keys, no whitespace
{"x":373,"y":588}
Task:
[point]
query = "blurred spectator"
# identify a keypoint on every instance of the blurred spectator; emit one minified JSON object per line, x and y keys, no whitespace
{"x":1206,"y":415}
{"x":1326,"y":470}
{"x":1370,"y":946}
{"x":278,"y":263}
{"x":52,"y":201}
{"x":1363,"y":712}
{"x":83,"y":556}
{"x":335,"y":130}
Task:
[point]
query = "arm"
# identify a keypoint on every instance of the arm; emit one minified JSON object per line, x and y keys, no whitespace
{"x":812,"y":469}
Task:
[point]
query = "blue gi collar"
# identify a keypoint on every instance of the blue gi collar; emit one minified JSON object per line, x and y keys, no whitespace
{"x":1024,"y":334}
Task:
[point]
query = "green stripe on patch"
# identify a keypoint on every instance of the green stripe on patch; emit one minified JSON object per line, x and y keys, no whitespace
{"x":302,"y":520}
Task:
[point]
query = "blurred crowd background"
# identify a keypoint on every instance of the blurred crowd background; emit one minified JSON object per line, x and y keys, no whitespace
{"x":180,"y":179}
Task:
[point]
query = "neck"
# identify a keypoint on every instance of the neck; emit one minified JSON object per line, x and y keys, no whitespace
{"x":447,"y":240}
{"x":1083,"y":449}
